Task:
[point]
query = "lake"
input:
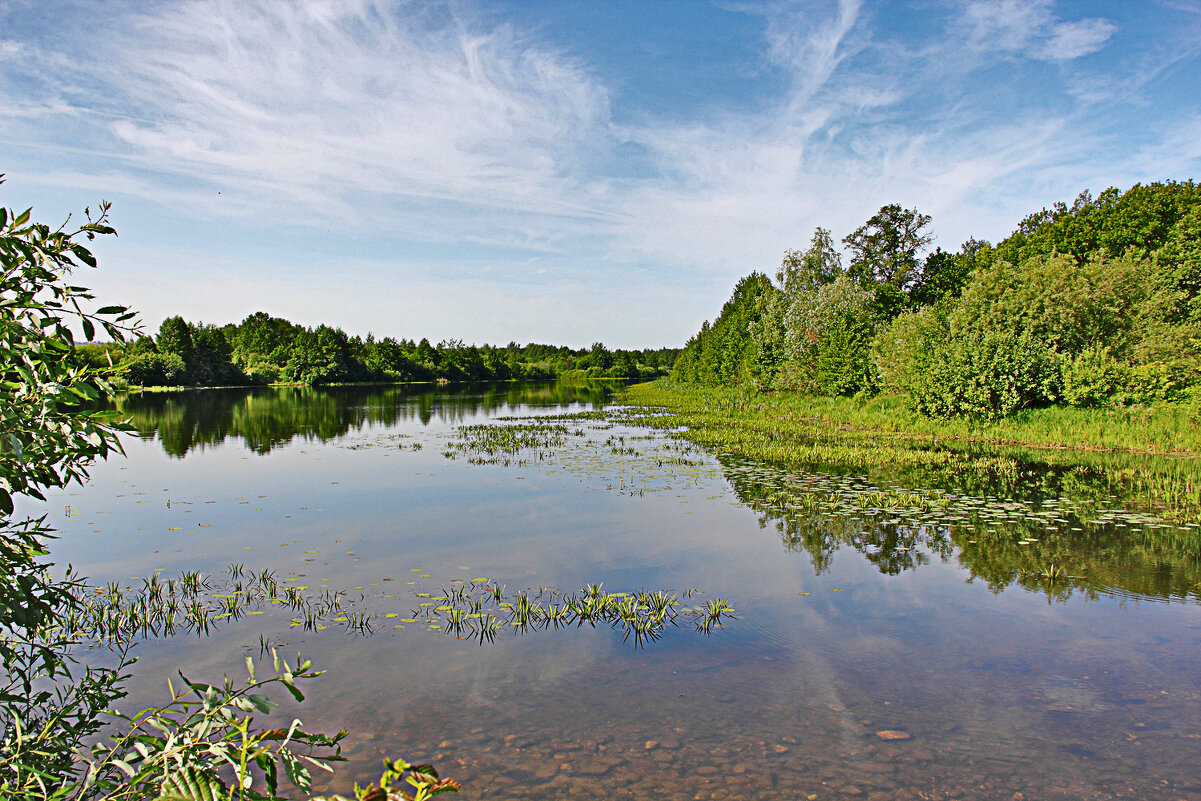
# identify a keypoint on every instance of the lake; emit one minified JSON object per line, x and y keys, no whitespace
{"x":961,"y":644}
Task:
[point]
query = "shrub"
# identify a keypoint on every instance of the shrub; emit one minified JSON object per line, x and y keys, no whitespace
{"x":1092,"y":378}
{"x":157,"y":370}
{"x":1153,"y":383}
{"x":903,"y":351}
{"x":843,"y":364}
{"x":988,"y":374}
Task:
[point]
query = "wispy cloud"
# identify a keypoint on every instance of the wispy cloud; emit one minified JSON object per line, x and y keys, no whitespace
{"x":1030,"y":27}
{"x":423,"y":125}
{"x":321,"y":103}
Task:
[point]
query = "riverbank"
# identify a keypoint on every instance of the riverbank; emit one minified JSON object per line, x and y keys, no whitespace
{"x":1143,"y":457}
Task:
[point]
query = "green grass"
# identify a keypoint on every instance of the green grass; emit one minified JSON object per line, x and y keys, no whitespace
{"x":1144,"y":458}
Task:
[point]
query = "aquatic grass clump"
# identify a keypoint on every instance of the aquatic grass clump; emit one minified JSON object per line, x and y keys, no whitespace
{"x":489,"y":443}
{"x":479,"y":610}
{"x":1141,"y":457}
{"x":195,"y":604}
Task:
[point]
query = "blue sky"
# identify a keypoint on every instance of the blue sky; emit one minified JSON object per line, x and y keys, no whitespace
{"x":561,"y":171}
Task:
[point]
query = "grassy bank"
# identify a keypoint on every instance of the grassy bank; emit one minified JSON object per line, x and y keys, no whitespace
{"x":1140,"y":458}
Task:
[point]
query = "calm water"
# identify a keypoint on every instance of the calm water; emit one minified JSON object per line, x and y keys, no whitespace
{"x":1002,"y":674}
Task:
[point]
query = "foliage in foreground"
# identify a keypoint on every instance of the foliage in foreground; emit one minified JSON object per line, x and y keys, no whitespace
{"x":204,"y":744}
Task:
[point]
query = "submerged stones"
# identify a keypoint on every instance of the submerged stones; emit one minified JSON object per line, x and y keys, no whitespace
{"x":892,"y":734}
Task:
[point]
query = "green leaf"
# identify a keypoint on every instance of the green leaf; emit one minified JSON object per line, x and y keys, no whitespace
{"x":89,"y":330}
{"x":111,"y":310}
{"x":298,"y":774}
{"x":270,"y":773}
{"x":262,"y":703}
{"x":84,"y":255}
{"x":190,"y":784}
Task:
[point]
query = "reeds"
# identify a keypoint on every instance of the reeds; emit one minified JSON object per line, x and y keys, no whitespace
{"x":479,"y":610}
{"x":197,"y":604}
{"x":1144,"y":457}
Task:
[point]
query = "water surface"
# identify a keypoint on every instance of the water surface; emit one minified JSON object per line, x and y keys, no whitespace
{"x":1002,"y":645}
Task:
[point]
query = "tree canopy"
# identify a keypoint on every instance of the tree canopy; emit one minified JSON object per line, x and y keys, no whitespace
{"x":1093,"y":303}
{"x":265,"y":349}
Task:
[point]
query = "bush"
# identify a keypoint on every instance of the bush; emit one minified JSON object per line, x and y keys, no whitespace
{"x":1154,"y":383}
{"x":1031,"y":335}
{"x":902,"y":352}
{"x":157,"y":370}
{"x":843,"y":359}
{"x":988,"y":374}
{"x":1092,"y":378}
{"x":260,"y":370}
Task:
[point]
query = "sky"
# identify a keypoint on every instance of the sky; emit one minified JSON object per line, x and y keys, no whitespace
{"x":561,"y":171}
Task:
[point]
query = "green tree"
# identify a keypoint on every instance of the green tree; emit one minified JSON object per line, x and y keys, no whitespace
{"x":319,"y":356}
{"x":945,"y":274}
{"x":827,"y":339}
{"x":1137,"y":221}
{"x":811,"y":269}
{"x":212,"y":358}
{"x":726,"y":352}
{"x":885,"y":255}
{"x":175,"y":336}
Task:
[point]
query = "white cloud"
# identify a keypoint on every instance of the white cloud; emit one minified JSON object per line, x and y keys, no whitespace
{"x":1030,"y":27}
{"x":319,"y":102}
{"x":1069,"y":40}
{"x":416,"y":123}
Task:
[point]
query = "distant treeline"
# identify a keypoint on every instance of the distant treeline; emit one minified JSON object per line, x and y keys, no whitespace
{"x":1093,"y":304}
{"x":263,"y":349}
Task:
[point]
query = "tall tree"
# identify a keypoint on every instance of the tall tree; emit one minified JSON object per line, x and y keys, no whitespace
{"x":806,"y":271}
{"x":885,"y":249}
{"x":175,"y":336}
{"x":885,"y":254}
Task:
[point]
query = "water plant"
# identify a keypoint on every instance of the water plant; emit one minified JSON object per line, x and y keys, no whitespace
{"x":1141,"y":456}
{"x":196,"y":604}
{"x":480,"y":609}
{"x":494,"y":443}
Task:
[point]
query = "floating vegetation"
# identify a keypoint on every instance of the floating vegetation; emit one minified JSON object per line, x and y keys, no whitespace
{"x":495,"y":443}
{"x":197,"y":604}
{"x":585,"y":444}
{"x":1051,"y":545}
{"x":480,"y":611}
{"x":1013,"y":459}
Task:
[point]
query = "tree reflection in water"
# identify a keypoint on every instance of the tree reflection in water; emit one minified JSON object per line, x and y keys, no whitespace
{"x":268,"y":417}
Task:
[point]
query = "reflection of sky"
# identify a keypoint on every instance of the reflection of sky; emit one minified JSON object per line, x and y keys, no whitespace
{"x":1000,"y":680}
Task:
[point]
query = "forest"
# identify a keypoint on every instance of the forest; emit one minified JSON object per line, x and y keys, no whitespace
{"x":263,"y":350}
{"x":1092,"y":304}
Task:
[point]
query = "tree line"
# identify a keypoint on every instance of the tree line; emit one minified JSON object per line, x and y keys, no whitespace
{"x":1097,"y":303}
{"x":263,"y":349}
